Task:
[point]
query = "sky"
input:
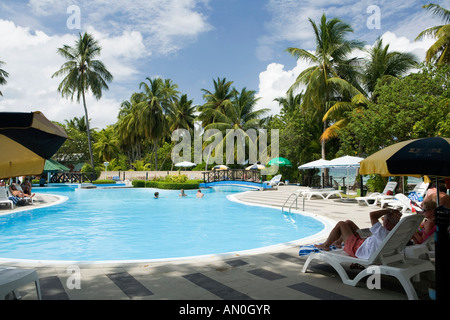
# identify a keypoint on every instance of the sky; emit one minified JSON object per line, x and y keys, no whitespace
{"x":191,"y":42}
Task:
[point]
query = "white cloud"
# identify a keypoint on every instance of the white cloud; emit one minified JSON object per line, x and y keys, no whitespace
{"x":166,"y":25}
{"x":275,"y":80}
{"x":31,"y":59}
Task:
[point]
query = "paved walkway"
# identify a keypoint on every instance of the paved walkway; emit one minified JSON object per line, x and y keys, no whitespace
{"x":272,"y":274}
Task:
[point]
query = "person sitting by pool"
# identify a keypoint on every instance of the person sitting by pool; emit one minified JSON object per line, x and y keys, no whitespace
{"x":26,"y":186}
{"x":19,"y":194}
{"x":354,"y":245}
{"x":428,"y":226}
{"x":199,"y":194}
{"x":182,"y":194}
{"x":156,"y":195}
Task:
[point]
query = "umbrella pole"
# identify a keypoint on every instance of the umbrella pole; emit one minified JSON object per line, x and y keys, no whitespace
{"x":442,"y":250}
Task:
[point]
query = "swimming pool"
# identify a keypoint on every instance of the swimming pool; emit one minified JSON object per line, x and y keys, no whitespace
{"x":128,"y":224}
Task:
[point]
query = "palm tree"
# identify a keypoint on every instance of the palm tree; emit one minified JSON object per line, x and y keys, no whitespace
{"x":439,"y":52}
{"x":290,"y":103}
{"x":381,"y":65}
{"x":3,"y":76}
{"x":156,"y":98}
{"x":332,"y":70}
{"x":182,"y":114}
{"x":129,"y":134}
{"x":218,"y":100}
{"x":241,"y":114}
{"x":384,"y":65}
{"x":106,"y":146}
{"x":83,"y":73}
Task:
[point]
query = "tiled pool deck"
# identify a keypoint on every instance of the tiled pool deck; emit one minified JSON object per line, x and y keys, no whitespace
{"x":272,"y":274}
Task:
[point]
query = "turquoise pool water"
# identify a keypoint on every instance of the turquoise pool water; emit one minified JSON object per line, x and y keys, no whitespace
{"x":128,"y":224}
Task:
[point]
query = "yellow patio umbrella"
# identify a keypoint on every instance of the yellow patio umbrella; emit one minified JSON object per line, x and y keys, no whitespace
{"x":27,"y":139}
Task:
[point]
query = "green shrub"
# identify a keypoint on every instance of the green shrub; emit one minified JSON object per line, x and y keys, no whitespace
{"x":190,"y":184}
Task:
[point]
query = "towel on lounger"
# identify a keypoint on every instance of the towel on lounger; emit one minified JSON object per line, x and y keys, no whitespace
{"x":15,"y":200}
{"x":310,"y":248}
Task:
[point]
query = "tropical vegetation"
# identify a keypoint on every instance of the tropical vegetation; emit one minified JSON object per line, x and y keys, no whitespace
{"x":342,"y":104}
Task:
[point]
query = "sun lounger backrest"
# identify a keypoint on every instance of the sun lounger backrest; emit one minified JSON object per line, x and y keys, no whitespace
{"x":391,"y":248}
{"x":421,"y":188}
{"x":3,"y":193}
{"x":390,"y":186}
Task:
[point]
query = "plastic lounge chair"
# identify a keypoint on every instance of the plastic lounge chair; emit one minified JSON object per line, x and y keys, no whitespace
{"x":423,"y":250}
{"x":324,"y":193}
{"x":377,"y":196}
{"x":13,"y":278}
{"x":388,"y":259}
{"x":4,"y":197}
{"x":400,"y":201}
{"x":275,"y":181}
{"x":420,"y":189}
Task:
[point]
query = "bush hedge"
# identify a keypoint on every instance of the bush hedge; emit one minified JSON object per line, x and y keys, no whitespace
{"x":190,"y":184}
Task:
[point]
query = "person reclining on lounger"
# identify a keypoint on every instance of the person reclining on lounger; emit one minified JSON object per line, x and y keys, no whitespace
{"x":354,"y":245}
{"x":19,"y":194}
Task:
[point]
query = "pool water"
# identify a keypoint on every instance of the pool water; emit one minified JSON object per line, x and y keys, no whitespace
{"x":129,"y":224}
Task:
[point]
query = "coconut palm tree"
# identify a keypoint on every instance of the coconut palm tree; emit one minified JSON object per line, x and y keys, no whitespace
{"x":129,"y":134}
{"x":182,"y":114}
{"x":241,"y":114}
{"x":383,"y":64}
{"x":156,"y":98}
{"x":219,"y":100}
{"x":106,"y":146}
{"x":290,"y":103}
{"x":332,"y":68}
{"x":439,"y":52}
{"x":3,"y":76}
{"x":83,"y":73}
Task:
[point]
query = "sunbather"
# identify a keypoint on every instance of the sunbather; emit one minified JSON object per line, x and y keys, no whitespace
{"x":19,"y":194}
{"x":354,"y":245}
{"x":427,"y":227}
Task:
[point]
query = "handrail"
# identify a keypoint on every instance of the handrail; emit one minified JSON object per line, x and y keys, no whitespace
{"x":294,"y":201}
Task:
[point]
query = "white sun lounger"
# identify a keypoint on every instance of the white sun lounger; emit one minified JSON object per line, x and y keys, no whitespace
{"x":373,"y":198}
{"x":323,"y":193}
{"x":4,"y":197}
{"x":400,"y":202}
{"x":388,"y":259}
{"x":12,"y":278}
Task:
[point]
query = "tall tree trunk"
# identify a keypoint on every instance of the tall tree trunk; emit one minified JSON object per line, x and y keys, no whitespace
{"x":89,"y":136}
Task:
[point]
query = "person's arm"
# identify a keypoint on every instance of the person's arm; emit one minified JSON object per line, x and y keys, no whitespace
{"x":376,"y":215}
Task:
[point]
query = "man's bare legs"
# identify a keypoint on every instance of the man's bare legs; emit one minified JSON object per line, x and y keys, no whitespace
{"x":339,"y":234}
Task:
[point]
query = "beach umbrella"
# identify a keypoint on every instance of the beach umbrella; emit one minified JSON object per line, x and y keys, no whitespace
{"x":27,"y":139}
{"x":426,"y":156}
{"x":255,"y":166}
{"x":345,"y":162}
{"x":280,"y":161}
{"x":185,"y":164}
{"x":220,"y":167}
{"x":317,"y":164}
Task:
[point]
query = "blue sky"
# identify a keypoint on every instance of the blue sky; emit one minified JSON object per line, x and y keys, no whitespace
{"x":191,"y":42}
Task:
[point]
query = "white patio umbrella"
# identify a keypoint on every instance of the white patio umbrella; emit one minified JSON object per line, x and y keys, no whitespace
{"x":317,"y":164}
{"x":345,"y":162}
{"x":185,"y":164}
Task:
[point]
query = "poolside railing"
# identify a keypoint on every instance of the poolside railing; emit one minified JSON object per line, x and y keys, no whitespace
{"x":71,"y":177}
{"x":232,"y":175}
